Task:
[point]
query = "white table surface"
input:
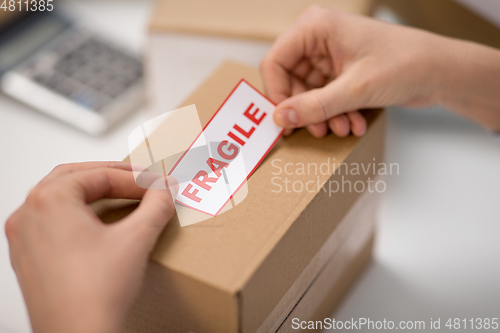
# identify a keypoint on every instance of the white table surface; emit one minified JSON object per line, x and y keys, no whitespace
{"x":437,"y":253}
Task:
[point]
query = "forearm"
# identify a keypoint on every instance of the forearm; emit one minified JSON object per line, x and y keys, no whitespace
{"x":79,"y":315}
{"x":470,"y":82}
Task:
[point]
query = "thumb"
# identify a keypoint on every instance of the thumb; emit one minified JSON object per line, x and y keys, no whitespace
{"x":316,"y":105}
{"x":155,"y":210}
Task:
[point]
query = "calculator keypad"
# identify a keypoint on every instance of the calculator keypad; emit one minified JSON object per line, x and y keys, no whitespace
{"x":86,"y":70}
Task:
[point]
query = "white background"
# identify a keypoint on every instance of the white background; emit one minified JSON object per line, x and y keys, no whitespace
{"x":437,"y":252}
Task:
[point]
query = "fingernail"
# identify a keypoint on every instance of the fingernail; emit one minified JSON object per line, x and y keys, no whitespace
{"x":288,"y":117}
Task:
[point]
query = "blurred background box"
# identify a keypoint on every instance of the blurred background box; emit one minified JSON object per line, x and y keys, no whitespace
{"x":277,"y":254}
{"x":190,"y":38}
{"x":474,"y":20}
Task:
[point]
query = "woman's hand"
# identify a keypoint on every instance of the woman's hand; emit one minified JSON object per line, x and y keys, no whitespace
{"x":330,"y":64}
{"x":78,"y":274}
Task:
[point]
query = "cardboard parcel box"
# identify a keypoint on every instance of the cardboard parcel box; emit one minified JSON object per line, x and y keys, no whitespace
{"x":278,"y":254}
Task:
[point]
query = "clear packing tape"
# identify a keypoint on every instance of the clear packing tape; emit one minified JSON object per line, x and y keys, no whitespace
{"x":156,"y":146}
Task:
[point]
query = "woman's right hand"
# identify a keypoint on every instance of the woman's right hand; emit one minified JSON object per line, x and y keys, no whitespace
{"x":330,"y":64}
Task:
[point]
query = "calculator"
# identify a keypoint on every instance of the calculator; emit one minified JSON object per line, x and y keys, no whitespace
{"x":70,"y":73}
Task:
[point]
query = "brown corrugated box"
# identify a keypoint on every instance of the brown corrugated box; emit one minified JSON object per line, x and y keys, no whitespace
{"x":275,"y":255}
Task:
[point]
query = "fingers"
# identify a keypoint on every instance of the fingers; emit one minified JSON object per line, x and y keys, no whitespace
{"x":149,"y":219}
{"x":357,"y":122}
{"x":315,"y":79}
{"x":91,"y":185}
{"x":277,"y":66}
{"x":343,"y":124}
{"x":302,"y":69}
{"x":317,"y":105}
{"x":156,"y":207}
{"x":276,"y":82}
{"x":324,"y":65}
{"x":297,"y":86}
{"x":94,"y":184}
{"x":64,"y":169}
{"x":318,"y":130}
{"x":340,"y":125}
{"x":154,"y":211}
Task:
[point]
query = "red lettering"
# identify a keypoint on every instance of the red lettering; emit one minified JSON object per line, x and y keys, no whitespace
{"x":220,"y":165}
{"x":242,"y":131}
{"x":227,"y":151}
{"x":231,"y":147}
{"x":204,"y":179}
{"x":235,"y":138}
{"x":191,"y":195}
{"x":253,"y":116}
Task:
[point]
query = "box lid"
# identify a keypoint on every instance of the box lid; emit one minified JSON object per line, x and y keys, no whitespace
{"x":258,"y":19}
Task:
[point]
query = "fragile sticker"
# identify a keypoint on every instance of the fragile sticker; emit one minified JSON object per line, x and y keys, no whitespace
{"x":227,"y":151}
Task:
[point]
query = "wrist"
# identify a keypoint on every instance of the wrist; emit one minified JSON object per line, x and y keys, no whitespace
{"x":76,"y":319}
{"x":469,"y":80}
{"x":441,"y":70}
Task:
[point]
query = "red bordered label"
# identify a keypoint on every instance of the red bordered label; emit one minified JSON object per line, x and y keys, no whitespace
{"x":227,"y":151}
